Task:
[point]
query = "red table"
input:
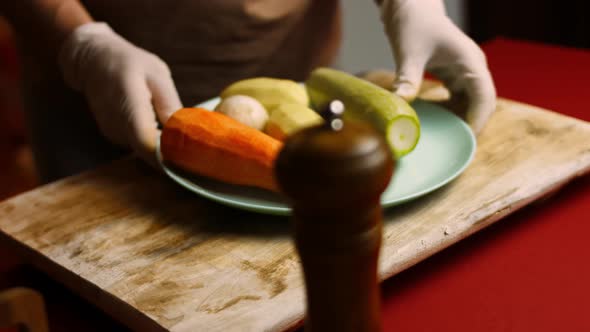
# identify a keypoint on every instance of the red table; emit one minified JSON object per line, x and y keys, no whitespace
{"x":530,"y":271}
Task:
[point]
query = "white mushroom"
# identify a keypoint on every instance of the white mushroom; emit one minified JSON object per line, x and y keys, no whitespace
{"x":244,"y":109}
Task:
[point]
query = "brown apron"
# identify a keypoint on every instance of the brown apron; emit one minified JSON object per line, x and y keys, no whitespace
{"x":207,"y":44}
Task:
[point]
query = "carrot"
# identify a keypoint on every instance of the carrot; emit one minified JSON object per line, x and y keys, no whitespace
{"x":214,"y":145}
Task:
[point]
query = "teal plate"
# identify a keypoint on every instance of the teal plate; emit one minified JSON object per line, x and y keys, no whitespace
{"x":446,"y":147}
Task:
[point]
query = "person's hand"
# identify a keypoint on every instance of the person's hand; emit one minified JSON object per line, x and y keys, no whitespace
{"x":423,"y":38}
{"x":126,"y":87}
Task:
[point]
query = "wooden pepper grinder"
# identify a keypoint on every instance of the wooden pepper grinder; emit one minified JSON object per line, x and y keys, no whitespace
{"x":334,"y":175}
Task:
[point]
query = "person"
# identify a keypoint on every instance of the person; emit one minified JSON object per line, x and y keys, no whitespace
{"x":101,"y":76}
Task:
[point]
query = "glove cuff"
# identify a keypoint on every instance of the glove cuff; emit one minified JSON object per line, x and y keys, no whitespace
{"x":71,"y":55}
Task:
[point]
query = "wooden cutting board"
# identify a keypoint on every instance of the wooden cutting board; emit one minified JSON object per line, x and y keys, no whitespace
{"x":159,"y":258}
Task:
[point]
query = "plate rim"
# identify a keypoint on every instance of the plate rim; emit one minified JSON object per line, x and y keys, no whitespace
{"x":286,"y":210}
{"x":191,"y":186}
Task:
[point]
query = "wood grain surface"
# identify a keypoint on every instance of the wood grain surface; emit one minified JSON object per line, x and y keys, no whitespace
{"x":159,"y":258}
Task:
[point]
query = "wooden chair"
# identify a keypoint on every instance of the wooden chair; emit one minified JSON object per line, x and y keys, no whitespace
{"x":24,"y":309}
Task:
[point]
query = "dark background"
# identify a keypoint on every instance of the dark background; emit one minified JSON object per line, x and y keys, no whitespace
{"x":561,"y":22}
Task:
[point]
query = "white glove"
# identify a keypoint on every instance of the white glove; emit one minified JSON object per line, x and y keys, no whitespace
{"x":125,"y":86}
{"x":423,"y":37}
